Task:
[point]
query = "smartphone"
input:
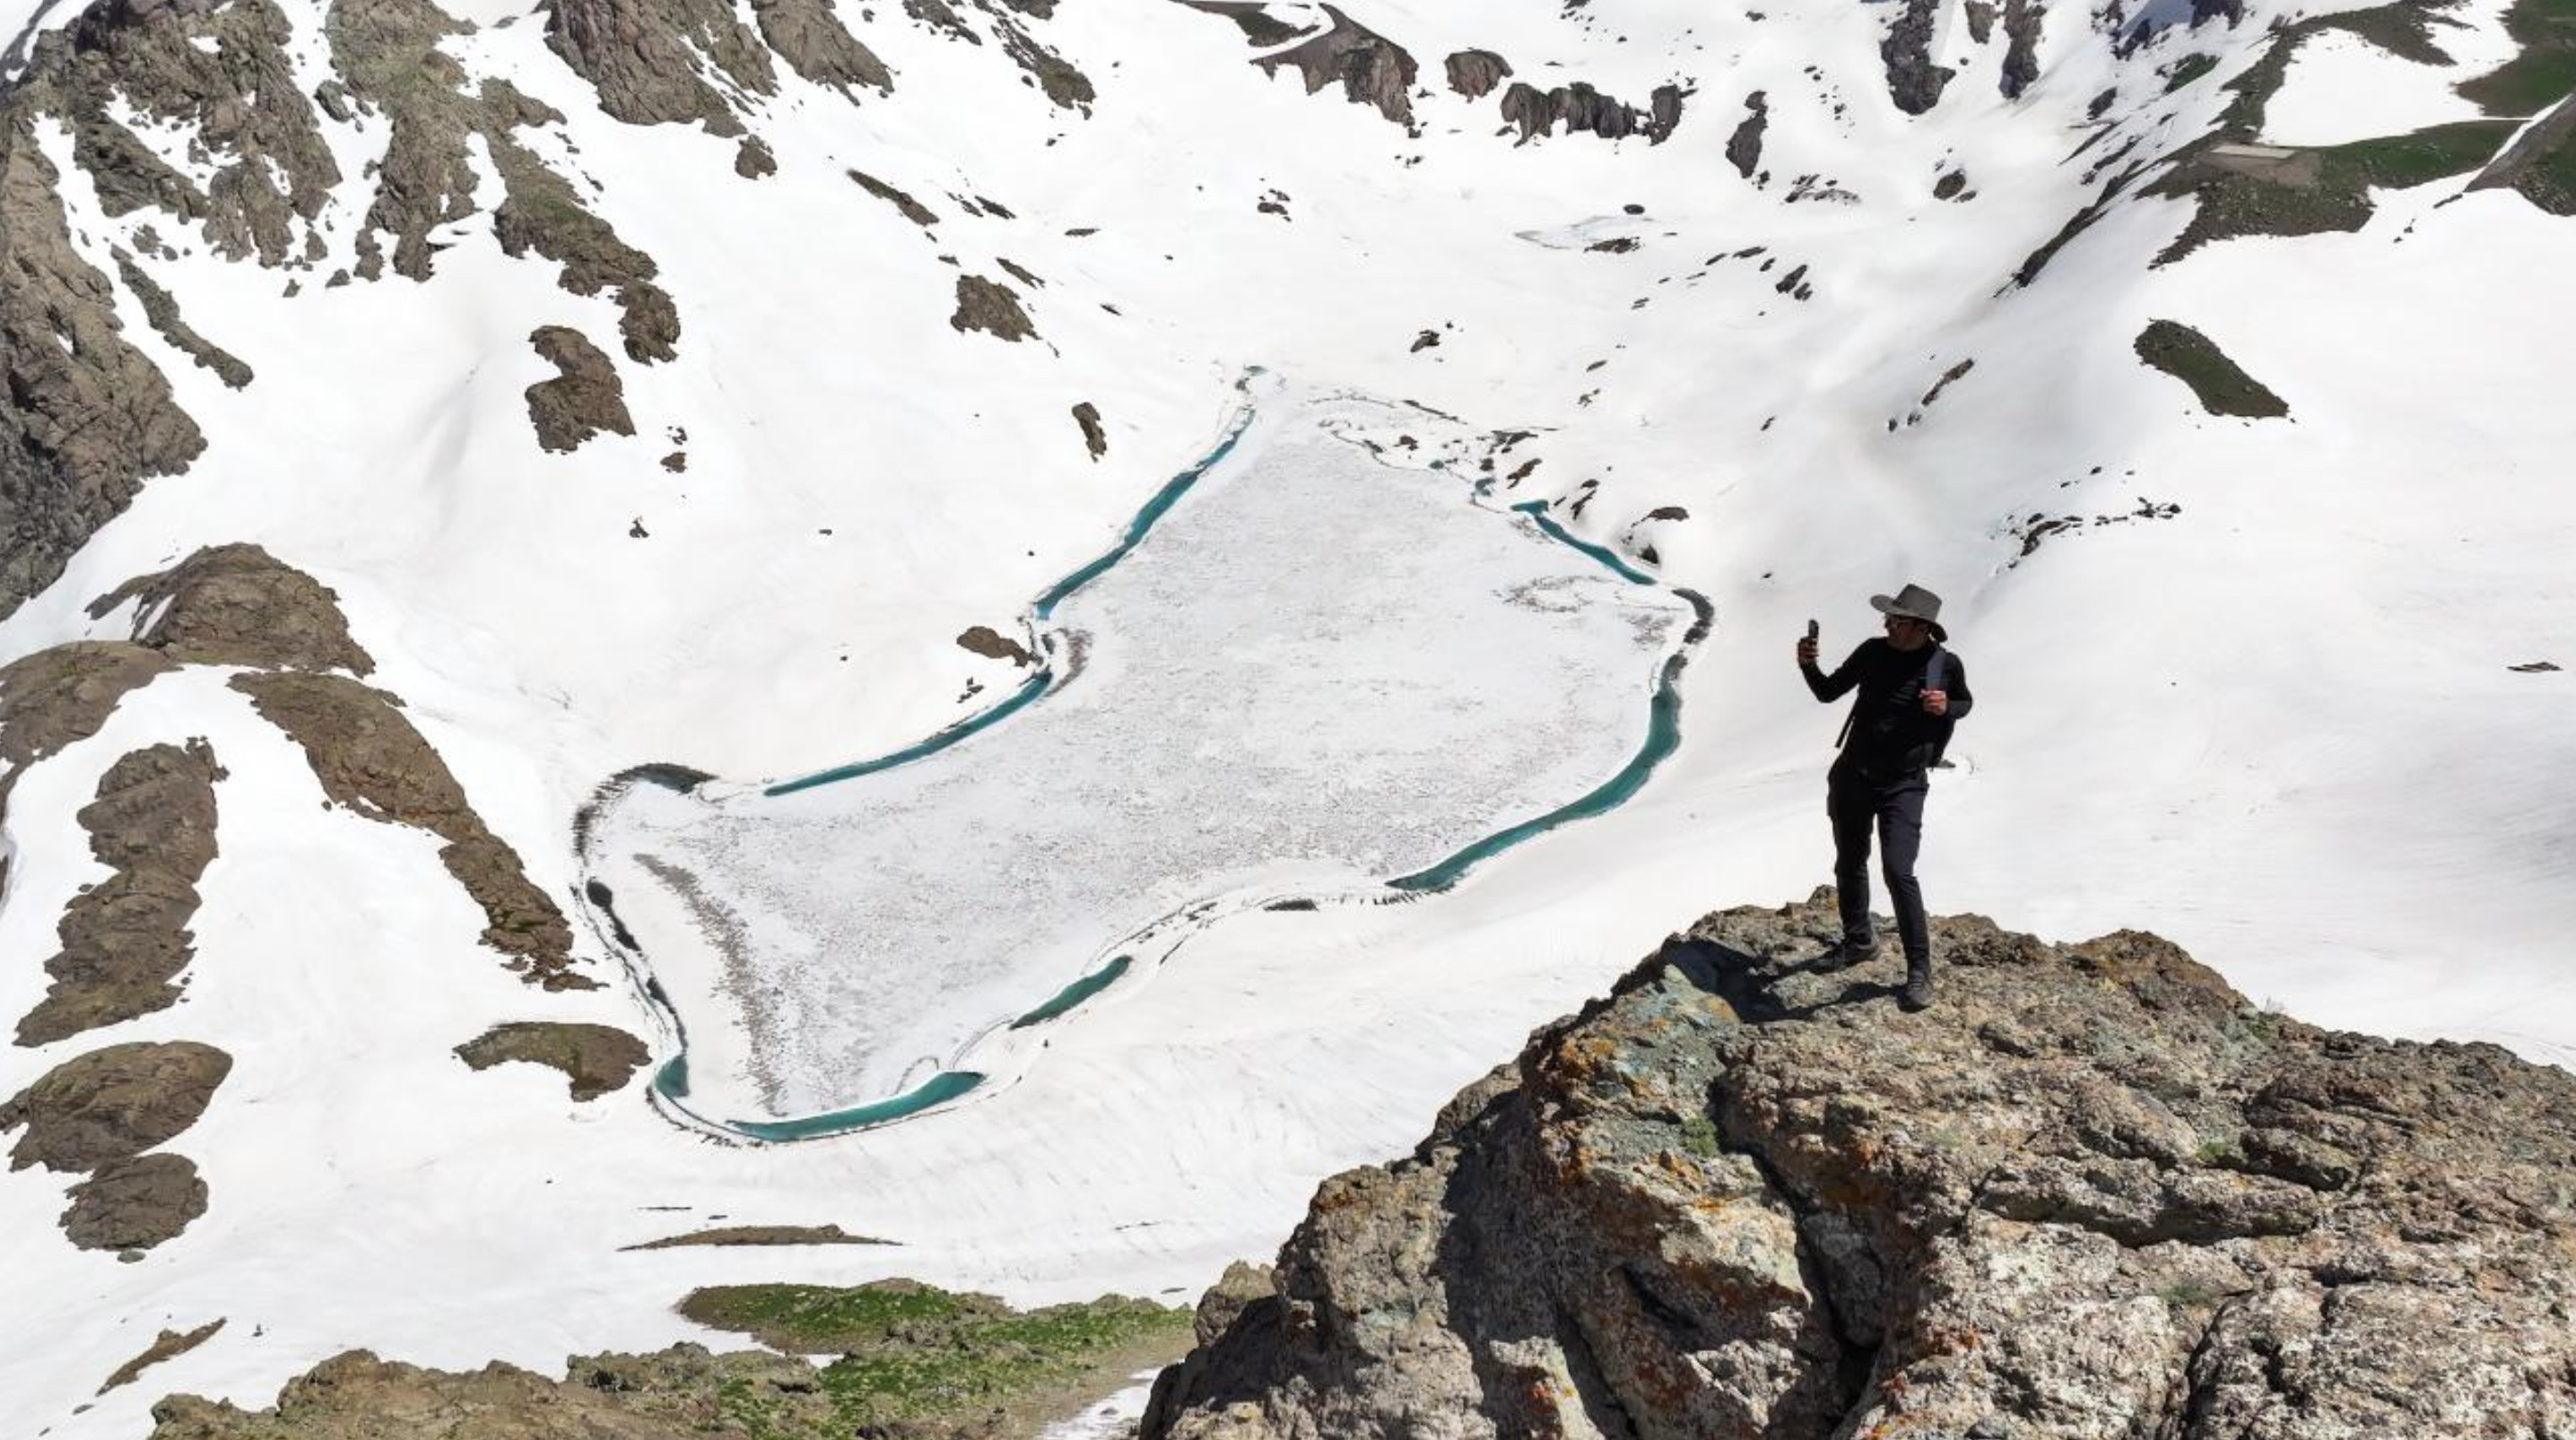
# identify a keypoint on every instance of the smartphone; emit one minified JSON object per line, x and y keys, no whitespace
{"x":1811,"y":631}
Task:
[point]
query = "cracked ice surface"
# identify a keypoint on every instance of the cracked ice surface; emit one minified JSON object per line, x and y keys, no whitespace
{"x":1319,"y":670}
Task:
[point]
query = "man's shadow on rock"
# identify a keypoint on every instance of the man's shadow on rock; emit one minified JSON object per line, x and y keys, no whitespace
{"x":1762,"y":989}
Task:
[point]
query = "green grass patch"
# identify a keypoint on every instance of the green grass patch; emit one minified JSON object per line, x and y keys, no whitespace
{"x":912,"y":1352}
{"x":2549,"y":179}
{"x":1699,"y":1136}
{"x":2543,"y":74}
{"x":2188,"y":69}
{"x":2188,"y":1295}
{"x":2223,"y":387}
{"x":2400,"y":161}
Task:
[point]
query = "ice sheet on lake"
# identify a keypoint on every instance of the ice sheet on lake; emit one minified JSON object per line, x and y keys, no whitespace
{"x":1320,"y":670}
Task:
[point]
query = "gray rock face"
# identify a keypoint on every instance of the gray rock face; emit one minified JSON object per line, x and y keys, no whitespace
{"x":2021,"y":55}
{"x":135,"y":1204}
{"x":584,"y":399}
{"x":1371,"y":69}
{"x":89,"y":417}
{"x":2090,"y":1193}
{"x":162,"y":309}
{"x":991,"y":307}
{"x":125,"y":939}
{"x":1580,"y":108}
{"x":1913,"y":81}
{"x":911,"y":209}
{"x":814,"y":43}
{"x":641,"y":55}
{"x":1744,"y":147}
{"x":1475,"y":73}
{"x":1094,"y":438}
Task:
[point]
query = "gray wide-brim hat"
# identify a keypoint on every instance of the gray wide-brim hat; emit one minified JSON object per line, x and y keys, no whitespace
{"x":1914,"y":603}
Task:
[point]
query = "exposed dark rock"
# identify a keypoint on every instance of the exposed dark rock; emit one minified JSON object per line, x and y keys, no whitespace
{"x":1429,"y":339}
{"x":2541,"y":164}
{"x":169,"y":1346}
{"x":126,"y":938}
{"x":990,"y":307}
{"x":939,"y":16}
{"x":133,"y":1205}
{"x":1668,"y":512}
{"x":1371,"y":69}
{"x":992,"y":644}
{"x":596,"y":1059}
{"x":1019,"y":272}
{"x":88,"y":417}
{"x":814,"y":43}
{"x":112,"y":1104}
{"x":2091,"y":1192}
{"x":585,"y":397}
{"x":2021,"y":56}
{"x":1744,"y":147}
{"x":237,"y":605}
{"x":1094,"y":438}
{"x":387,"y":52}
{"x":642,"y":56}
{"x":2221,"y":384}
{"x":1054,"y":75}
{"x":62,"y":695}
{"x":1615,"y":245}
{"x":913,"y":210}
{"x":222,"y":69}
{"x":162,"y":310}
{"x":733,"y":1235}
{"x":1981,"y":20}
{"x":1913,"y":81}
{"x":752,"y":159}
{"x":1252,"y":18}
{"x":370,"y":759}
{"x":1475,"y":73}
{"x":1954,"y":373}
{"x":1581,"y":108}
{"x":1950,"y":184}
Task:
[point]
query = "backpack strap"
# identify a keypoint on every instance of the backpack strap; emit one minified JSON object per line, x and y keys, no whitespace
{"x":1933,"y":673}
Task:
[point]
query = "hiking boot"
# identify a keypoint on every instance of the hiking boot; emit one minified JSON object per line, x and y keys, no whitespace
{"x":1844,"y":956}
{"x":1917,"y":994}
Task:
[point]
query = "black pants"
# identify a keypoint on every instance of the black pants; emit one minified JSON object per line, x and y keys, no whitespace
{"x":1856,"y":803}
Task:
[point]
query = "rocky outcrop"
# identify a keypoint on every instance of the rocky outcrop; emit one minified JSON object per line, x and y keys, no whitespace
{"x":2092,"y":1192}
{"x":2021,"y":52}
{"x":1094,"y":438}
{"x":2540,"y":163}
{"x":62,"y":695}
{"x":911,"y":209}
{"x":239,"y":605}
{"x":991,"y":307}
{"x":112,"y":1104}
{"x":1475,"y":73}
{"x":1054,"y":76}
{"x":126,"y":938}
{"x":130,"y":1206}
{"x":2219,"y":383}
{"x":814,"y":43}
{"x":595,"y":1059}
{"x":1582,"y":109}
{"x":584,"y":399}
{"x":387,"y":52}
{"x":162,"y":309}
{"x":170,"y":1345}
{"x":1913,"y":81}
{"x":1371,"y":69}
{"x":89,"y":417}
{"x":735,"y":1236}
{"x":992,"y":644}
{"x":369,"y":758}
{"x":1744,"y":147}
{"x":643,"y":58}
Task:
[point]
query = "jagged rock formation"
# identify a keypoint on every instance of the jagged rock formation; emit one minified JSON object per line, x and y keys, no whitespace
{"x":99,"y":1113}
{"x":1371,"y":69}
{"x":2021,"y":50}
{"x":1581,"y":108}
{"x":89,"y":418}
{"x":1913,"y":81}
{"x":169,"y":1345}
{"x":585,"y":397}
{"x":60,"y":696}
{"x":2090,"y":1193}
{"x":991,"y":307}
{"x":239,"y":605}
{"x":1475,"y":73}
{"x":814,"y":43}
{"x":370,"y":759}
{"x":594,"y":1059}
{"x":162,"y":309}
{"x":990,"y":643}
{"x":1744,"y":147}
{"x":125,"y":939}
{"x":642,"y":56}
{"x":1094,"y":438}
{"x":912,"y":210}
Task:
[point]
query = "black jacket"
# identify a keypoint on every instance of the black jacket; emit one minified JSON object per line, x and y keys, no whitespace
{"x":1889,"y":737}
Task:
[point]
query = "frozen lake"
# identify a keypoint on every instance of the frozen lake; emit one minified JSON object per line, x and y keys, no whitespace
{"x":1327,"y":665}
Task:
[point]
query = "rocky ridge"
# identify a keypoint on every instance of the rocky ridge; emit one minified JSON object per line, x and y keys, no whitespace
{"x":2093,"y":1192}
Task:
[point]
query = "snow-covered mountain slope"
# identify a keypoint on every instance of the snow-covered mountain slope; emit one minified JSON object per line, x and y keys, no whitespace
{"x":667,"y":381}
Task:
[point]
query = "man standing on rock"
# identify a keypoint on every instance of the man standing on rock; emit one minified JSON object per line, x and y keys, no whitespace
{"x":1911,"y":692}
